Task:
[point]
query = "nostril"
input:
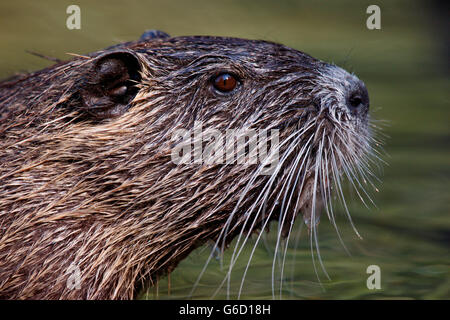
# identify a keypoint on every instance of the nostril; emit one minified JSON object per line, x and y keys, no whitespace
{"x":358,"y":97}
{"x":355,"y":101}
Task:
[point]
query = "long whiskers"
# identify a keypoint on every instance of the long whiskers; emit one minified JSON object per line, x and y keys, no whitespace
{"x":316,"y":162}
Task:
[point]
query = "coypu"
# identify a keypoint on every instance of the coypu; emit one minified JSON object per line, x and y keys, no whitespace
{"x":86,"y":173}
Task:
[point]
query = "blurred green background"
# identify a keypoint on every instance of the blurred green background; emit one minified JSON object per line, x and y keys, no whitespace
{"x":405,"y":67}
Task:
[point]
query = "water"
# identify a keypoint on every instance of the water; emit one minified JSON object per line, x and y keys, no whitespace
{"x":405,"y":67}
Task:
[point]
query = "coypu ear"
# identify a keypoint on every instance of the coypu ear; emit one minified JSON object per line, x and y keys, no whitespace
{"x":110,"y":84}
{"x":153,"y":34}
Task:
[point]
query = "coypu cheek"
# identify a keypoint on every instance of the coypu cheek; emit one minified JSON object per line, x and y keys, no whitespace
{"x":110,"y":84}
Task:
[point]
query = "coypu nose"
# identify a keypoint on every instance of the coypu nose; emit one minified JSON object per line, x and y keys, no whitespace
{"x":358,"y":98}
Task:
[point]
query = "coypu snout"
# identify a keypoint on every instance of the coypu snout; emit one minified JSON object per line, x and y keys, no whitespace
{"x":348,"y":92}
{"x":358,"y":99}
{"x":91,"y":189}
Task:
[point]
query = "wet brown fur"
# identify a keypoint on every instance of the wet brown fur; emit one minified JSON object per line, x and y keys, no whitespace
{"x":100,"y":191}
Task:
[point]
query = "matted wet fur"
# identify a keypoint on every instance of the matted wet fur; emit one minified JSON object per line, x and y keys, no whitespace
{"x":87,"y":179}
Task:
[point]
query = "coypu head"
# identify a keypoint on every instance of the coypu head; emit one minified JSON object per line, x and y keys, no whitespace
{"x":90,"y":169}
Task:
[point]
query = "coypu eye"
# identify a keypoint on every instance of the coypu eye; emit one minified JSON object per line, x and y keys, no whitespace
{"x":225,"y":82}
